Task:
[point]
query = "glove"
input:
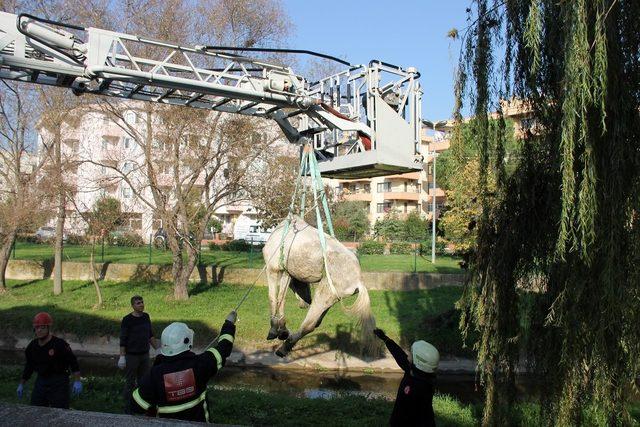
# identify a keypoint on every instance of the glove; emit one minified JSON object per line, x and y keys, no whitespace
{"x":20,"y":390}
{"x":122,"y":362}
{"x":232,"y":317}
{"x":380,"y":333}
{"x":77,"y":387}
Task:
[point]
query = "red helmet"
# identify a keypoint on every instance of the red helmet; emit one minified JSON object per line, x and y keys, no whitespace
{"x":42,"y":319}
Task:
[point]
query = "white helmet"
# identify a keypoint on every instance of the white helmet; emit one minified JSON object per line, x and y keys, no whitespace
{"x":176,"y":338}
{"x":425,"y":356}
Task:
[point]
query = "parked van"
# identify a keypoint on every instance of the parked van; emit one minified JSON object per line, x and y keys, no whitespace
{"x":250,"y":230}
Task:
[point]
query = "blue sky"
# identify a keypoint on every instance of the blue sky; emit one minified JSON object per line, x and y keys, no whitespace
{"x":404,"y":32}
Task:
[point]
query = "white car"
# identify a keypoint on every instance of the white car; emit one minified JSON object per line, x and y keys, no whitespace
{"x":44,"y":234}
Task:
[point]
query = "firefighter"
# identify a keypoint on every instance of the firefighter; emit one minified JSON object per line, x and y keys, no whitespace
{"x":176,"y":387}
{"x":414,"y":399}
{"x":52,"y":359}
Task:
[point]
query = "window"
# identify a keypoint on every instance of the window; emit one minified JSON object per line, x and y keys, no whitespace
{"x":127,"y":142}
{"x":127,"y":167}
{"x":384,"y":187}
{"x":126,"y":192}
{"x":105,"y":143}
{"x":383,"y":207}
{"x":130,"y":117}
{"x":430,"y":169}
{"x":105,"y":119}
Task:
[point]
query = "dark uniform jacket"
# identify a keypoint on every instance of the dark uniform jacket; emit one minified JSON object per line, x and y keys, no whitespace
{"x":176,"y":387}
{"x":55,"y":358}
{"x":414,"y":399}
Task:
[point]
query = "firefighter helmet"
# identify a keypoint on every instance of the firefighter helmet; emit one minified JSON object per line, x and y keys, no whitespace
{"x":176,"y":338}
{"x":42,"y":319}
{"x":425,"y":356}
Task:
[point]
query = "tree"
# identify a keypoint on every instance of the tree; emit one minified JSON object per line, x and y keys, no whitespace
{"x":184,"y":164}
{"x":390,"y":228}
{"x":350,"y":221}
{"x":415,"y":228}
{"x":23,"y":194}
{"x":271,"y":195}
{"x":555,"y":275}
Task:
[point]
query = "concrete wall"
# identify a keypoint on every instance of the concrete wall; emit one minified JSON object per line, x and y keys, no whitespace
{"x":32,"y":270}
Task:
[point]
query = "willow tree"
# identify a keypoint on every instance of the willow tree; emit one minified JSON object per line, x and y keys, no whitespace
{"x":555,"y":281}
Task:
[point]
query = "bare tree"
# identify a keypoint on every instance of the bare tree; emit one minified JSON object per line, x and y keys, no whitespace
{"x":183,"y":165}
{"x":23,"y":201}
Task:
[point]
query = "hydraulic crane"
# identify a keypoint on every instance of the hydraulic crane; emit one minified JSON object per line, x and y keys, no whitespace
{"x":362,"y":122}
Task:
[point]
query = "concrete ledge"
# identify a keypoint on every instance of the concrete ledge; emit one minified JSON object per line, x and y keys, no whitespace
{"x":382,"y":280}
{"x":23,"y":415}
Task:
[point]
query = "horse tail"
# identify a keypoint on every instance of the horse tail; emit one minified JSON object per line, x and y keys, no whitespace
{"x":366,"y":323}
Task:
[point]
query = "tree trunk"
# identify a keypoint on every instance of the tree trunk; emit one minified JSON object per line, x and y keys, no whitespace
{"x":57,"y":256}
{"x":5,"y":253}
{"x":180,"y":291}
{"x":93,"y":275}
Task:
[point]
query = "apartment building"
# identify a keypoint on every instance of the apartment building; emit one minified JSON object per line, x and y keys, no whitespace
{"x":415,"y":192}
{"x":95,"y":146}
{"x":405,"y":193}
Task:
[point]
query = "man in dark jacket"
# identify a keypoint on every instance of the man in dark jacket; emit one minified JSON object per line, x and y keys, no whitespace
{"x":136,"y":336}
{"x":414,"y":399}
{"x":176,"y":387}
{"x":51,"y":358}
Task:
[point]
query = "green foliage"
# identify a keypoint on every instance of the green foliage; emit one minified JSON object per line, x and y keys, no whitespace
{"x":105,"y":216}
{"x":563,"y":225}
{"x":77,"y":239}
{"x":350,"y":221}
{"x":415,"y":228}
{"x":401,"y":248}
{"x":390,"y":228}
{"x":127,"y":239}
{"x":215,"y":225}
{"x":240,"y":245}
{"x":214,"y":247}
{"x":371,"y":247}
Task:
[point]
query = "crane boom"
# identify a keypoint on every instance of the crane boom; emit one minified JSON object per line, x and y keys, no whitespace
{"x":362,"y":122}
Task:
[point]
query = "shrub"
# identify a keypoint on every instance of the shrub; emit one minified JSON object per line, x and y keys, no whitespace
{"x":239,"y":245}
{"x":401,"y":248}
{"x":128,"y":239}
{"x":214,"y":247}
{"x":425,"y":247}
{"x":371,"y":247}
{"x":77,"y":239}
{"x":27,"y":238}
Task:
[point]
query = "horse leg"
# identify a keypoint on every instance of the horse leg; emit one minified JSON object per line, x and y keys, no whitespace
{"x":278,"y":285}
{"x":322,"y":301}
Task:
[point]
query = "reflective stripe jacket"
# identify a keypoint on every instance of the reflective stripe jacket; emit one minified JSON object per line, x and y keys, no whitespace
{"x":176,"y":386}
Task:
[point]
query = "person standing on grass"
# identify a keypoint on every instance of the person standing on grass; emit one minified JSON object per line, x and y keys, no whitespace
{"x":136,"y":336}
{"x":52,"y":359}
{"x":414,"y":400}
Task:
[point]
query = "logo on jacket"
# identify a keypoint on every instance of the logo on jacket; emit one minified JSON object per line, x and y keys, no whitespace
{"x":179,"y":385}
{"x":51,"y":352}
{"x":407,"y":390}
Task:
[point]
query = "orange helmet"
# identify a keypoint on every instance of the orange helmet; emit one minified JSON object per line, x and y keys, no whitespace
{"x":42,"y":319}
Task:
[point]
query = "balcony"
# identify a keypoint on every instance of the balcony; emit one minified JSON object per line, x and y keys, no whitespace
{"x":410,"y":175}
{"x":356,"y":196}
{"x":413,"y":196}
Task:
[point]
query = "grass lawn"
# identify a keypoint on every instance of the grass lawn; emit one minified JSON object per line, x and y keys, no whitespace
{"x":250,"y":407}
{"x":405,"y":316}
{"x":239,"y":406}
{"x":116,"y":254}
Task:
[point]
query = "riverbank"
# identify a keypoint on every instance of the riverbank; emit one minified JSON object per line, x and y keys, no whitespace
{"x":405,"y":316}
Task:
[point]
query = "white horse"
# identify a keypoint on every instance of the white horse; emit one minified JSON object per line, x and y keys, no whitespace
{"x":298,"y":265}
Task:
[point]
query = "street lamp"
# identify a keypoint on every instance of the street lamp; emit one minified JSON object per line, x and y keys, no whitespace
{"x":435,"y":126}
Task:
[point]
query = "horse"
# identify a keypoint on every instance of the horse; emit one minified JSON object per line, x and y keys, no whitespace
{"x":297,"y":262}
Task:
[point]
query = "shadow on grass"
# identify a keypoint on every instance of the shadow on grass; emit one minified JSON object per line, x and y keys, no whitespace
{"x":15,"y":323}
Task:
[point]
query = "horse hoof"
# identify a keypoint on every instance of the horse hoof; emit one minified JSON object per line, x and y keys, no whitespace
{"x":283,"y":335}
{"x":271,"y":336}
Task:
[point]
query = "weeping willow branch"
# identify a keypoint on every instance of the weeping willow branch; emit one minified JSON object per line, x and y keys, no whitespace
{"x":557,"y":259}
